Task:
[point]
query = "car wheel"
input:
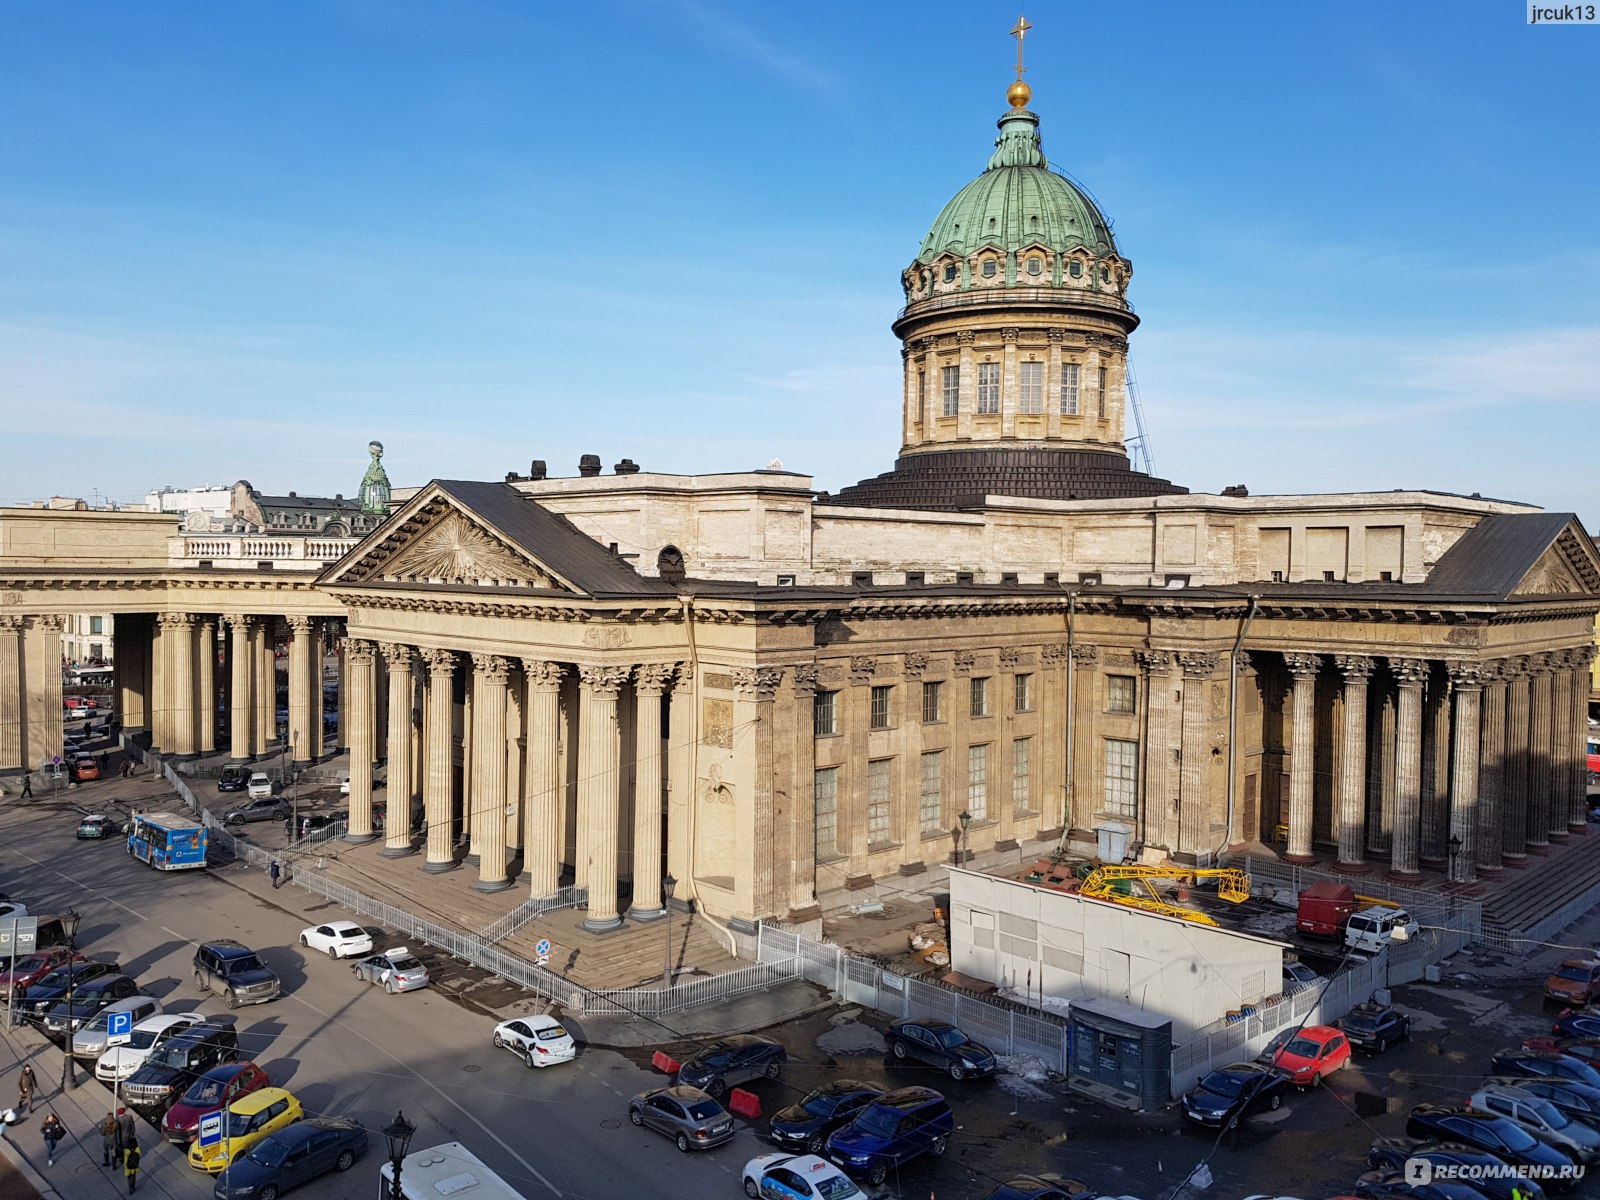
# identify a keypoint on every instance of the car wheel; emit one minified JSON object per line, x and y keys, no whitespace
{"x":750,"y":1188}
{"x":235,"y":820}
{"x":529,"y":1057}
{"x":305,"y":941}
{"x":1316,"y":1080}
{"x":1383,"y":1044}
{"x":499,"y":1042}
{"x":957,"y":1072}
{"x":898,"y":1049}
{"x":877,"y":1173}
{"x":388,"y":986}
{"x":816,"y":1145}
{"x":346,"y":1160}
{"x":231,"y":1000}
{"x":636,"y":1116}
{"x":683,"y":1143}
{"x":717,"y":1086}
{"x":1273,"y":1101}
{"x":270,"y":1192}
{"x":938,"y":1146}
{"x":774,"y":1069}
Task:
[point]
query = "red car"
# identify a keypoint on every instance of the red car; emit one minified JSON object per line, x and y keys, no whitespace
{"x":1585,"y":1049}
{"x":33,"y":967}
{"x":1312,"y":1054}
{"x":217,"y":1088}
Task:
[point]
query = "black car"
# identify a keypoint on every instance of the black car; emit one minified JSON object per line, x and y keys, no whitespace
{"x":1231,"y":1093}
{"x":1575,"y":1024}
{"x":1393,"y":1185}
{"x":1504,"y":1139}
{"x":236,"y":971}
{"x":942,"y":1045}
{"x":41,"y":997}
{"x":1031,"y":1187}
{"x":180,"y":1060}
{"x":807,"y":1124}
{"x":1578,"y":1100}
{"x":294,"y":1155}
{"x":1375,"y":1027}
{"x":732,"y":1060}
{"x":1541,"y":1064}
{"x":85,"y":1000}
{"x":233,"y":779}
{"x":1391,"y":1154}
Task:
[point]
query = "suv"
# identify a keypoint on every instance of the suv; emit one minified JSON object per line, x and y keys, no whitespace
{"x":87,"y":1000}
{"x":259,"y":785}
{"x":180,"y":1060}
{"x":236,"y":971}
{"x":1372,"y":929}
{"x":259,"y":808}
{"x":890,"y":1132}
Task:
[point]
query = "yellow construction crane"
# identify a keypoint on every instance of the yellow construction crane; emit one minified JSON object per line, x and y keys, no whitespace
{"x":1232,"y":885}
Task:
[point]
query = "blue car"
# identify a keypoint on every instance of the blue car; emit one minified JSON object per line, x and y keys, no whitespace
{"x":294,"y":1155}
{"x":940,"y":1044}
{"x":892,"y":1131}
{"x":1575,"y":1024}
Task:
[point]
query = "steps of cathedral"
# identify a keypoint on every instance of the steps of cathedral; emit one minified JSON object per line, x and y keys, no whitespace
{"x":1528,"y":894}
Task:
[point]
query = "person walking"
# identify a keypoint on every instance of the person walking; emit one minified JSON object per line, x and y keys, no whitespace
{"x":275,"y":873}
{"x":27,"y":1084}
{"x":130,"y":1167}
{"x":52,"y":1132}
{"x":127,"y":1133}
{"x":109,"y":1142}
{"x":27,"y":787}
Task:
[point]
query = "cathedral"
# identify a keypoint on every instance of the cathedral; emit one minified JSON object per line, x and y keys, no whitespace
{"x":1010,"y":642}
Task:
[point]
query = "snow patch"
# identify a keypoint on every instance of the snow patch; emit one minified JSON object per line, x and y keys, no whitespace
{"x":851,"y":1038}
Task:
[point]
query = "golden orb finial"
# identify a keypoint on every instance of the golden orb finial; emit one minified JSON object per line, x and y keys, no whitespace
{"x":1019,"y":94}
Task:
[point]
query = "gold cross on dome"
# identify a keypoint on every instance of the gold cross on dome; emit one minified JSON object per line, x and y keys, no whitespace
{"x":1020,"y":31}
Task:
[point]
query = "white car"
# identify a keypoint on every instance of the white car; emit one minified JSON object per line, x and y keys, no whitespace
{"x":119,"y":1062}
{"x":396,"y":970}
{"x":804,"y":1176}
{"x":260,"y":785}
{"x":540,"y":1041}
{"x":337,"y":939}
{"x":11,"y":909}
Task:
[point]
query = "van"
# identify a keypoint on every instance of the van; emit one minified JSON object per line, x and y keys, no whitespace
{"x":1324,"y":909}
{"x":1372,"y":929}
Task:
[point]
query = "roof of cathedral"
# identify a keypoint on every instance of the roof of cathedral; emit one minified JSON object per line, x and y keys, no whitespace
{"x":1497,"y":555}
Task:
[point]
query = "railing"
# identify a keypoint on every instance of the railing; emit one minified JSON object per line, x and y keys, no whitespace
{"x":530,"y":910}
{"x":245,"y":550}
{"x":710,"y":989}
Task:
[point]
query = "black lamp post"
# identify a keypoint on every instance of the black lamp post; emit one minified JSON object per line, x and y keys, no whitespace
{"x":668,"y":886}
{"x":961,"y":843}
{"x":69,"y":925}
{"x":1455,"y":850}
{"x":398,"y":1134}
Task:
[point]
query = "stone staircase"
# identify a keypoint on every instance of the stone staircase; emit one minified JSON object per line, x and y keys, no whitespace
{"x":1528,"y":897}
{"x":632,"y":956}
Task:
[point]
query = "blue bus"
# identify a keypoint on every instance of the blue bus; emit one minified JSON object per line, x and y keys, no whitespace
{"x":167,"y":841}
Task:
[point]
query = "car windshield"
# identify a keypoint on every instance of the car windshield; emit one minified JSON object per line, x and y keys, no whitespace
{"x":239,"y":1123}
{"x":1363,"y":1020}
{"x":951,"y":1038}
{"x":143,"y":1039}
{"x":1579,"y":974}
{"x":835,"y":1187}
{"x":1304,"y":1047}
{"x":705,"y":1110}
{"x":404,"y":962}
{"x":205,"y":1091}
{"x":1221,"y":1083}
{"x":550,"y":1034}
{"x":28,"y":965}
{"x":821,"y":1104}
{"x":1550,"y":1114}
{"x":879,"y":1122}
{"x":268,"y":1153}
{"x":248,"y":963}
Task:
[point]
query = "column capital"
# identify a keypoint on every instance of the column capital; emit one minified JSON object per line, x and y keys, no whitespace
{"x":397,"y":655}
{"x":358,"y":650}
{"x":806,"y":676}
{"x":10,"y":623}
{"x":1198,"y":664}
{"x":1085,"y":656}
{"x":1302,"y":665}
{"x":1153,"y":662}
{"x":1409,"y":672}
{"x":963,"y":661}
{"x":238,"y":621}
{"x":1494,"y":672}
{"x":1515,"y":667}
{"x":440,"y":662}
{"x":603,"y":681}
{"x":491,"y":668}
{"x":759,"y":683}
{"x":1052,"y":655}
{"x":1009,"y":656}
{"x":1354,"y":667}
{"x":171,"y":620}
{"x":298,"y":625}
{"x":1465,"y":676}
{"x":652,"y":679}
{"x":913,"y":665}
{"x":862,"y":668}
{"x":542,"y":675}
{"x":1579,"y":657}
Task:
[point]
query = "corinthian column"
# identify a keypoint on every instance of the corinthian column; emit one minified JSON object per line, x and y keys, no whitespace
{"x":651,"y":682}
{"x":1466,"y":679}
{"x":11,"y":694}
{"x":1514,"y":777}
{"x":1303,"y":670}
{"x":1356,"y":669}
{"x":401,"y":786}
{"x":1157,"y":798}
{"x":263,"y":639}
{"x":1490,"y":822}
{"x":206,"y":684}
{"x":300,"y":741}
{"x":599,"y":756}
{"x":1576,"y":748}
{"x":1540,"y":746}
{"x":1194,"y":800}
{"x":1409,"y":674}
{"x":178,"y":633}
{"x":436,"y":772}
{"x":488,"y":803}
{"x":241,"y":697}
{"x":361,"y":712}
{"x":541,"y":840}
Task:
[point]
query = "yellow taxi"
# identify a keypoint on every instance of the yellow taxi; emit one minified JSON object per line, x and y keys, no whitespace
{"x":246,"y":1121}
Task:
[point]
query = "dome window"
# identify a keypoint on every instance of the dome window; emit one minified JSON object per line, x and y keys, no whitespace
{"x":1105,"y":274}
{"x":1075,"y":269}
{"x":949,"y":272}
{"x":989,"y":268}
{"x":1035,"y":265}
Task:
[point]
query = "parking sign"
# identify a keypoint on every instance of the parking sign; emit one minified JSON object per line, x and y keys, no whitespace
{"x":211,"y":1128}
{"x":119,"y":1028}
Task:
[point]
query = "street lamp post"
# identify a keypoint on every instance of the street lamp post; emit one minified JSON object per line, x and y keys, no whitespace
{"x":961,"y":842}
{"x":668,"y":886}
{"x":69,"y":926}
{"x":1455,"y":851}
{"x":398,"y":1134}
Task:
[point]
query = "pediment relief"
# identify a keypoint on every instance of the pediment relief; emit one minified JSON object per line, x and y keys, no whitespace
{"x":1567,"y":568}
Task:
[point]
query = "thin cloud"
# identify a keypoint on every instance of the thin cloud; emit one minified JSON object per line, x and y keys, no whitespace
{"x":744,"y":42}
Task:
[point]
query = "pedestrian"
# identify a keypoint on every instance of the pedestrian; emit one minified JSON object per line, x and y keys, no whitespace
{"x":108,"y":1139}
{"x":27,"y":1084}
{"x":105,"y":760}
{"x":127,"y":1133}
{"x":275,"y":871}
{"x":305,"y":827}
{"x":52,"y":1133}
{"x":130,"y":1167}
{"x":27,"y":787}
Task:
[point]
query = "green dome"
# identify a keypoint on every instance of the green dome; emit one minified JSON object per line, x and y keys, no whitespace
{"x":1018,"y":201}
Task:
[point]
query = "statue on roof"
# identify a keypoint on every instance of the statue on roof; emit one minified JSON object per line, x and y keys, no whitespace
{"x":375,"y":483}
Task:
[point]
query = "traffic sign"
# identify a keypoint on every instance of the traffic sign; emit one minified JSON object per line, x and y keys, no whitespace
{"x":211,"y":1128}
{"x":119,"y":1028}
{"x":55,"y":760}
{"x":18,"y":935}
{"x":543,"y":948}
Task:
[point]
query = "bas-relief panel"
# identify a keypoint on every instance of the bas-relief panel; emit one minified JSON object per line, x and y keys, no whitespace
{"x":1111,"y":544}
{"x":716,"y":723}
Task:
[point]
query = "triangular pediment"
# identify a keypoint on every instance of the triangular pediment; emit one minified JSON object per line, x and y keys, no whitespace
{"x":1569,"y":566}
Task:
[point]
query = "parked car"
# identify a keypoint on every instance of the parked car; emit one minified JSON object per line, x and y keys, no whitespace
{"x":117,"y":1063}
{"x":1375,"y":1027}
{"x":892,"y":1131}
{"x":1231,"y":1093}
{"x":50,"y":988}
{"x":233,"y":779}
{"x":1316,"y":1052}
{"x":293,"y":1155}
{"x":730,"y":1061}
{"x":1297,"y":975}
{"x":15,"y":979}
{"x":396,"y":970}
{"x":12,"y":908}
{"x":216,"y":1088}
{"x":244,"y":1123}
{"x":1486,"y":1131}
{"x":1584,"y":1049}
{"x":1575,"y":981}
{"x":1489,"y":1176}
{"x":1571,"y":1023}
{"x":1577,"y":1100}
{"x":236,"y":971}
{"x":265,"y":807}
{"x":796,"y":1177}
{"x":942,"y":1045}
{"x":808,"y":1122}
{"x":1540,"y":1118}
{"x":692,"y":1119}
{"x":259,"y":785}
{"x":1544,"y":1065}
{"x":337,"y":939}
{"x":83,"y":768}
{"x":93,"y":1037}
{"x":1030,"y":1187}
{"x":94,"y":827}
{"x":541,"y":1041}
{"x":175,"y":1064}
{"x":1397,"y":1185}
{"x":87,"y":1000}
{"x":1372,"y":929}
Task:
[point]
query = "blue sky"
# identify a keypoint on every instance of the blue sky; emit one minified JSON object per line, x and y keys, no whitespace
{"x":239,"y":241}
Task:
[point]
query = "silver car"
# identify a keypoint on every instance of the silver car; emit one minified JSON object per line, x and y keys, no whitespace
{"x":396,"y":970}
{"x":1540,"y":1118}
{"x":687,"y":1115}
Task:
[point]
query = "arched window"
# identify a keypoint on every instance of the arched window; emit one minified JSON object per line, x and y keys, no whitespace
{"x":669,"y":565}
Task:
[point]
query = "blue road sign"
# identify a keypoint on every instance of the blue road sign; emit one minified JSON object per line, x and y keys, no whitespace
{"x":119,"y":1028}
{"x":211,"y":1128}
{"x":543,"y":948}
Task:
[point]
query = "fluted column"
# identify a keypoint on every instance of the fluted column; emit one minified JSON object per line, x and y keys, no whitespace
{"x":178,"y":634}
{"x":131,"y":667}
{"x":488,"y":796}
{"x":1491,"y":769}
{"x":599,"y":756}
{"x":1540,"y":746}
{"x":1436,"y":766}
{"x":650,"y":684}
{"x":541,"y":855}
{"x":315,"y":701}
{"x":1575,"y":748}
{"x":1157,"y":806}
{"x":45,"y":726}
{"x":263,"y":638}
{"x":361,"y":679}
{"x":436,"y":768}
{"x":1406,"y":839}
{"x":516,"y":740}
{"x":299,"y":734}
{"x":1194,"y":800}
{"x":1356,"y":669}
{"x":1380,"y":778}
{"x":1303,"y":669}
{"x":1466,"y":681}
{"x":205,"y":714}
{"x":11,"y":695}
{"x":401,"y":786}
{"x":241,"y":696}
{"x":1514,"y":776}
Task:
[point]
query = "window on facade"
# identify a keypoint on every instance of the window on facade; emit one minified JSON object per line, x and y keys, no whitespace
{"x":880,"y":706}
{"x":1122,"y":777}
{"x":1030,"y":385}
{"x":1035,"y":264}
{"x":932,"y":701}
{"x":1075,"y":269}
{"x":989,"y":268}
{"x":922,"y":394}
{"x":978,"y":782}
{"x":880,"y":825}
{"x":1022,"y":775}
{"x":931,"y":800}
{"x":825,"y":714}
{"x":1022,"y":692}
{"x":1069,"y":389}
{"x":94,"y":625}
{"x":988,"y":388}
{"x":1101,"y":397}
{"x":1122,"y":693}
{"x":950,"y":272}
{"x":980,"y":697}
{"x":825,"y":786}
{"x":950,"y":382}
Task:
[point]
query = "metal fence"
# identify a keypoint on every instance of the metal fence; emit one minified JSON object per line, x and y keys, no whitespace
{"x":710,"y":989}
{"x":529,"y":910}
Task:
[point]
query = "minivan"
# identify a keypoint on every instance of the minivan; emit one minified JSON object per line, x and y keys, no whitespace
{"x":1372,"y":929}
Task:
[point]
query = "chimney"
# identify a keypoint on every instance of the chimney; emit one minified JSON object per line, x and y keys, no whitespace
{"x":589,"y":466}
{"x":626,"y":467}
{"x":537,"y":469}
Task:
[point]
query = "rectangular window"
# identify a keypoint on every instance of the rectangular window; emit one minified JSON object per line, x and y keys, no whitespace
{"x":1030,"y":387}
{"x":980,"y":697}
{"x":825,"y":714}
{"x":951,"y":382}
{"x":880,"y":825}
{"x":825,"y":785}
{"x":880,"y":706}
{"x":94,"y":625}
{"x":1022,"y":692}
{"x":1101,"y":389}
{"x":988,"y":388}
{"x":931,"y":804}
{"x":922,"y":393}
{"x":1122,"y":777}
{"x":1069,"y":389}
{"x":932,"y":701}
{"x":1122,"y":694}
{"x":1022,"y":775}
{"x":978,"y":782}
